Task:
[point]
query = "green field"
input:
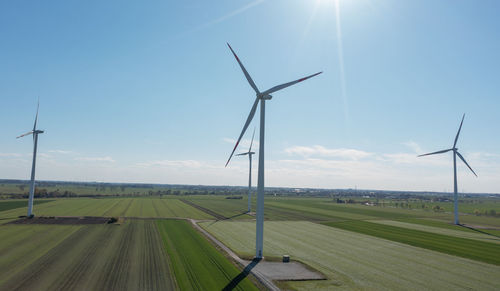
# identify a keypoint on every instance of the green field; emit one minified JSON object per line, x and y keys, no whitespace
{"x":196,"y":263}
{"x":356,"y":261}
{"x":105,"y":257}
{"x":458,"y":246}
{"x":449,"y":230}
{"x":361,"y":247}
{"x":140,"y":254}
{"x":230,"y":208}
{"x":13,"y":204}
{"x":129,"y":207}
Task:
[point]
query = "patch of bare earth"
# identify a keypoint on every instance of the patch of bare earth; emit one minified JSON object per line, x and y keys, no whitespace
{"x":62,"y":220}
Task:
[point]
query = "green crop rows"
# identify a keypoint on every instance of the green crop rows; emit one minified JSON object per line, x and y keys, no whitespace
{"x":196,"y":263}
{"x":467,"y":248}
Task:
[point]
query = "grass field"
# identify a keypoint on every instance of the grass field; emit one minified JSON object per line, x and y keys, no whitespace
{"x":196,"y":263}
{"x":105,"y":257}
{"x":453,"y":245}
{"x":355,"y":261}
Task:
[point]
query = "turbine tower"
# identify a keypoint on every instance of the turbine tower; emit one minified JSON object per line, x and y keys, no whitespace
{"x":262,"y":97}
{"x":35,"y":133}
{"x":249,"y":153}
{"x":455,"y":154}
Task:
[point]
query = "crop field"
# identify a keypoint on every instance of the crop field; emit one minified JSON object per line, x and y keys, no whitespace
{"x":229,"y":208}
{"x":452,"y":230}
{"x":467,"y":248}
{"x":196,"y":263}
{"x":139,"y":254}
{"x":323,"y":209}
{"x":355,"y":246}
{"x":130,"y":207}
{"x":356,"y":261}
{"x":13,"y":204}
{"x":107,"y":257}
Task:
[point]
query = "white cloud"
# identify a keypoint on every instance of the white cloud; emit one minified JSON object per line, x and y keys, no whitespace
{"x":301,"y":166}
{"x":10,"y":155}
{"x":63,"y":152}
{"x":95,"y":159}
{"x":172,"y":163}
{"x":317,"y":150}
{"x":414,"y":146}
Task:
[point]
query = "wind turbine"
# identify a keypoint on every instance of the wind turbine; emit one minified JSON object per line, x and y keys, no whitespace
{"x":455,"y":154}
{"x":262,"y":97}
{"x":249,"y":153}
{"x":35,"y":132}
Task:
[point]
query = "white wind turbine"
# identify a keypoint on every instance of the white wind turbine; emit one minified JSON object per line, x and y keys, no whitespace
{"x":262,"y":97}
{"x":35,"y":132}
{"x":455,"y":154}
{"x":249,"y":153}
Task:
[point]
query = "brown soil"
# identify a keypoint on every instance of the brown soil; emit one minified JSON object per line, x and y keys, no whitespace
{"x":64,"y":220}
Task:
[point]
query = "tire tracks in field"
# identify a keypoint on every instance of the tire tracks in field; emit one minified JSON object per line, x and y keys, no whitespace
{"x":38,"y":274}
{"x":154,"y":261}
{"x":127,"y":207}
{"x":106,"y":213}
{"x":206,"y":210}
{"x":116,"y":269}
{"x":78,"y":273}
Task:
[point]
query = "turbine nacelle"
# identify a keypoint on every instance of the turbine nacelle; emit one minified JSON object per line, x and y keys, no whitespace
{"x":265,"y":97}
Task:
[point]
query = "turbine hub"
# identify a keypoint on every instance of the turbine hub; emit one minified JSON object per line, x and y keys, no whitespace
{"x":266,"y":97}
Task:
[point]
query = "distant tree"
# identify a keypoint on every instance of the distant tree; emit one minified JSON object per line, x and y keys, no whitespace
{"x":477,"y":212}
{"x":492,"y":212}
{"x":437,"y":208}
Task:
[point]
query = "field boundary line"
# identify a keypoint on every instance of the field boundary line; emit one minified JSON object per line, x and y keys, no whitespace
{"x":206,"y":210}
{"x":260,"y":276}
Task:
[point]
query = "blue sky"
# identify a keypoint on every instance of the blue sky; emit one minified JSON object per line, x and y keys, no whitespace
{"x":149,"y":92}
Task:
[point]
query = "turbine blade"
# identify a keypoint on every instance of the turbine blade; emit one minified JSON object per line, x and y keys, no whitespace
{"x":249,"y":119}
{"x":36,"y":117}
{"x":434,"y":153}
{"x":283,"y":86}
{"x":25,"y":134}
{"x":249,"y":79}
{"x":253,"y":134}
{"x":242,"y":154}
{"x":463,"y":160}
{"x":456,"y":138}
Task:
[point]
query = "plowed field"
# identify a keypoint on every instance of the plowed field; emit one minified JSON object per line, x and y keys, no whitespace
{"x":105,"y":257}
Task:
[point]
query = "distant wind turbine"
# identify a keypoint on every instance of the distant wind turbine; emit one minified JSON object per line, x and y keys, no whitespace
{"x":455,"y":154}
{"x":35,"y":132}
{"x":262,"y":97}
{"x":249,"y":153}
